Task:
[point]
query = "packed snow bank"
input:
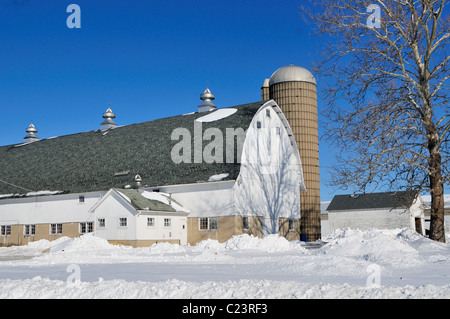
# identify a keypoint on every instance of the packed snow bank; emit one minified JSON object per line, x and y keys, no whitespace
{"x":269,"y":243}
{"x":42,"y":288}
{"x":90,"y":243}
{"x":388,"y":247}
{"x":83,"y":244}
{"x":408,"y":265}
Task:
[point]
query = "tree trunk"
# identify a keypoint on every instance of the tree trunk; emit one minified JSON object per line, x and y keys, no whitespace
{"x":437,"y":229}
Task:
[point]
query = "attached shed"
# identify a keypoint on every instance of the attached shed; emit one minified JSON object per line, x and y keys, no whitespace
{"x":139,"y":218}
{"x":385,"y":210}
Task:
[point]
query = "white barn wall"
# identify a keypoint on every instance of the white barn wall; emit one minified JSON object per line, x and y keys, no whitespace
{"x":417,"y":211}
{"x":112,"y":208}
{"x":324,"y":225}
{"x":159,"y":231}
{"x":271,"y":176}
{"x":204,"y":199}
{"x":366,"y":219}
{"x":115,"y":206}
{"x":64,"y":208}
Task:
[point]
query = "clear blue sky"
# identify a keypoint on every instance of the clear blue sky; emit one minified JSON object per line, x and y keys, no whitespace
{"x":146,"y":59}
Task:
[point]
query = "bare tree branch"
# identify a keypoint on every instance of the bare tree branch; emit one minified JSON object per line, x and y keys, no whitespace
{"x":387,"y":94}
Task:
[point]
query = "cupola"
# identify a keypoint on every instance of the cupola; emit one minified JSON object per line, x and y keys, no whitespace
{"x":31,"y":134}
{"x":108,"y":122}
{"x":207,"y":105}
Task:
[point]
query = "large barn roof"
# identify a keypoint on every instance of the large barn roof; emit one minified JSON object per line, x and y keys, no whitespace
{"x":100,"y":160}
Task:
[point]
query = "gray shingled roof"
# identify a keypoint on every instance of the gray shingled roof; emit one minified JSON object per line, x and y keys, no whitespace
{"x":139,"y":202}
{"x":96,"y":160}
{"x":372,"y":201}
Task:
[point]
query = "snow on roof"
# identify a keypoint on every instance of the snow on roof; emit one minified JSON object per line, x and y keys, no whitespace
{"x":166,"y":199}
{"x":218,"y":177}
{"x":217,"y":115}
{"x":31,"y":194}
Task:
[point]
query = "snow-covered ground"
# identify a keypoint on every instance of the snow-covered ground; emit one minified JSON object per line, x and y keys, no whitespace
{"x":352,"y":264}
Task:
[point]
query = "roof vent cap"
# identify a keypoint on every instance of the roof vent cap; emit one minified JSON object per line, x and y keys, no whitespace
{"x":207,"y":105}
{"x":108,"y":122}
{"x":31,"y":136}
{"x":138,"y":182}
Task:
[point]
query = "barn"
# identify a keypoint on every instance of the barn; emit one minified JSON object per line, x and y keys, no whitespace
{"x":208,"y":174}
{"x":66,"y":186}
{"x":384,"y":210}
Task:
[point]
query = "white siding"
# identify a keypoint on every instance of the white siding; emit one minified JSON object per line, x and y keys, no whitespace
{"x":48,"y":209}
{"x":205,"y":199}
{"x":366,"y":219}
{"x":176,"y":230}
{"x":111,"y":209}
{"x":270,"y":178}
{"x":114,"y":206}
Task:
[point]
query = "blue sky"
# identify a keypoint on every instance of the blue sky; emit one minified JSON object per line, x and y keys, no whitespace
{"x":145,"y":59}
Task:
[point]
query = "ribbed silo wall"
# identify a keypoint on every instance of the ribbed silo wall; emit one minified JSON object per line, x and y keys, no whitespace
{"x":298,"y":101}
{"x":265,"y":95}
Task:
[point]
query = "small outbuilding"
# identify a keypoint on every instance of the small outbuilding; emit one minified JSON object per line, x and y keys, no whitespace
{"x":139,"y":218}
{"x":385,"y":210}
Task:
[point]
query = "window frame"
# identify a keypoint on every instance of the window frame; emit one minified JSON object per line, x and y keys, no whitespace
{"x":123,"y":222}
{"x":56,"y":229}
{"x":245,"y":223}
{"x":208,"y":223}
{"x":29,"y":230}
{"x":5,"y":230}
{"x":151,"y":222}
{"x":290,"y":224}
{"x":101,"y":223}
{"x":87,"y":226}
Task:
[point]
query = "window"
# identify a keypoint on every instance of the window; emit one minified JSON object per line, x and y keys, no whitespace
{"x":213,"y":223}
{"x":267,"y":112}
{"x":6,"y":230}
{"x":101,"y":223}
{"x":167,"y":222}
{"x":29,"y":230}
{"x":81,"y":199}
{"x":86,"y":227}
{"x":123,"y":222}
{"x":150,"y":221}
{"x":245,"y":223}
{"x":258,"y":124}
{"x":291,"y":224}
{"x":208,"y":223}
{"x":203,"y":223}
{"x":278,"y":131}
{"x":55,"y":229}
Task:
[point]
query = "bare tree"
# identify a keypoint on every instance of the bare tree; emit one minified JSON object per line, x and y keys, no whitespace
{"x":385,"y":77}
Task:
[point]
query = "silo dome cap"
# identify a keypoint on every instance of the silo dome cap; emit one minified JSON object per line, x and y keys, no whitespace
{"x":292,"y":73}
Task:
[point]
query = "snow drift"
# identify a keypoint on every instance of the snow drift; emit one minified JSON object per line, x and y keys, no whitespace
{"x":410,"y":266}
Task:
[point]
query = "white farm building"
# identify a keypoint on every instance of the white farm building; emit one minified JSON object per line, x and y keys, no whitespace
{"x":213,"y":174}
{"x":386,"y":210}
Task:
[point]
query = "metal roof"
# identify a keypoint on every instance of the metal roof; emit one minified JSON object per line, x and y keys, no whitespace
{"x":292,"y":73}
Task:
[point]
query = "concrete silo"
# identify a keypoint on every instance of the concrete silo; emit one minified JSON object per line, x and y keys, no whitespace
{"x":294,"y":89}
